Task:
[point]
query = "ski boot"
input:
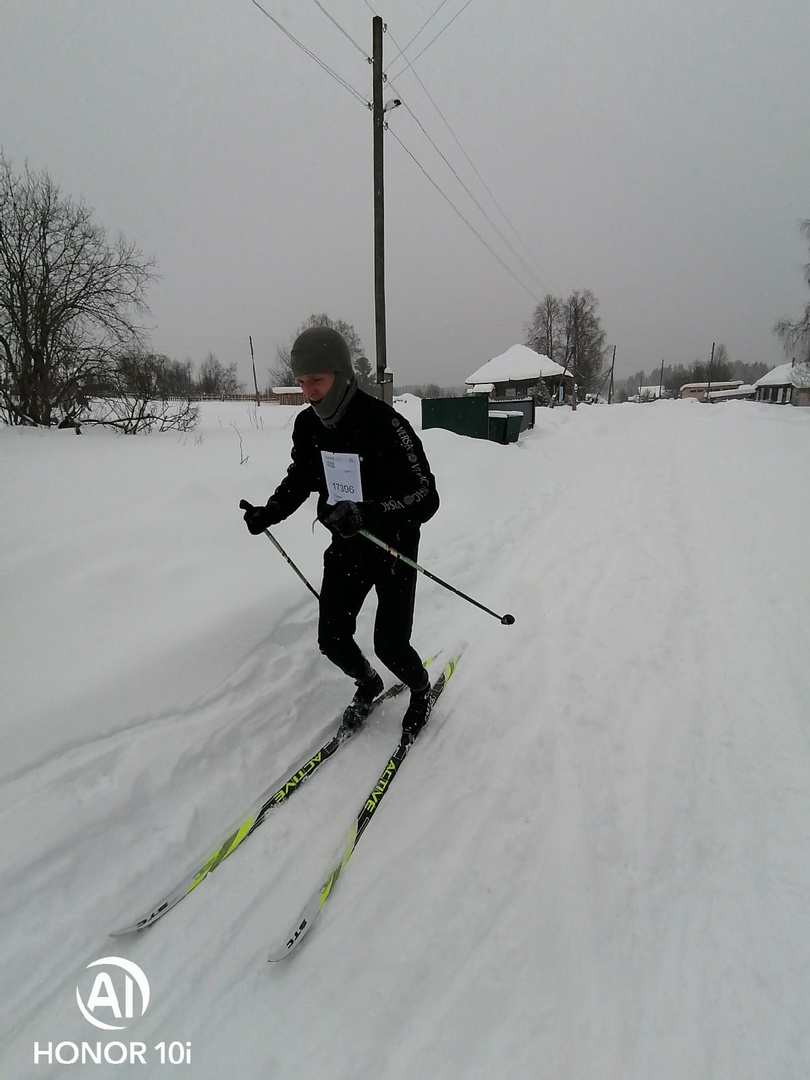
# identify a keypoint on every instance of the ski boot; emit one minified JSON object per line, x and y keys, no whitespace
{"x":417,"y":713}
{"x":356,"y":712}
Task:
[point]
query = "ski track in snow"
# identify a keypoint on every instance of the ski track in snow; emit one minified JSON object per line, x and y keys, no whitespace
{"x":595,"y":863}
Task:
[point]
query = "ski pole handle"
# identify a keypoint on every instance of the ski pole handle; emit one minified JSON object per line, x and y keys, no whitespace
{"x":507,"y":620}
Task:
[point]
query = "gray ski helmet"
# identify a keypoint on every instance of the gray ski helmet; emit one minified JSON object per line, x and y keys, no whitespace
{"x":318,"y":350}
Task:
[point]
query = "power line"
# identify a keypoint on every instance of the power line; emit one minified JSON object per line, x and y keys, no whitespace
{"x":536,"y":274}
{"x":436,"y":38}
{"x":494,"y":226}
{"x":524,"y":264}
{"x":511,"y":248}
{"x":311,"y":54}
{"x":345,"y":33}
{"x":486,"y":186}
{"x":509,"y":245}
{"x":339,"y":79}
{"x":418,"y":32}
{"x":469,"y":225}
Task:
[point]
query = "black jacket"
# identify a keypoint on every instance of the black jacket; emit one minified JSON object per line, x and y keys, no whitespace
{"x":399,"y":490}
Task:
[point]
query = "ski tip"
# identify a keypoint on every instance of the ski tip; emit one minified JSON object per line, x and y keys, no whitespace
{"x":453,"y":663}
{"x":305,"y":923}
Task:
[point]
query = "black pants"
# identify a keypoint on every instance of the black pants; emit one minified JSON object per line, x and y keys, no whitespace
{"x":350,"y":569}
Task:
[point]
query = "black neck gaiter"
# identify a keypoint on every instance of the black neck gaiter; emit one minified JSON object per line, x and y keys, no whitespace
{"x":332,"y":407}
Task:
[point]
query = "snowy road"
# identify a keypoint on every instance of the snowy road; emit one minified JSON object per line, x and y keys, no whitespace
{"x":595,"y":864}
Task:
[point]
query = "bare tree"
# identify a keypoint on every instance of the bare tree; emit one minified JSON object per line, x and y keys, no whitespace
{"x":68,"y":300}
{"x":282,"y":373}
{"x":584,"y":341}
{"x":215,"y":378}
{"x":795,"y":336}
{"x":365,"y":374}
{"x":545,"y":333}
{"x":139,"y":396}
{"x":721,"y":360}
{"x":570,"y":333}
{"x":178,"y":376}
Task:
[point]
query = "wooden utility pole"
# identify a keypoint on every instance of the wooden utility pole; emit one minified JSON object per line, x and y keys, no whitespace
{"x":612,"y":366}
{"x":574,"y":357}
{"x":253,"y":361}
{"x":385,"y":387}
{"x":709,"y":385}
{"x":661,"y":381}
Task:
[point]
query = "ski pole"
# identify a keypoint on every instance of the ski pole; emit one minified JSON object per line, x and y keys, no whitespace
{"x":245,"y":505}
{"x":507,"y":620}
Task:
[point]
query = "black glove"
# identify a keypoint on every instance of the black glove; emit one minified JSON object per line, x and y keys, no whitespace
{"x":259,"y":518}
{"x":346,"y":518}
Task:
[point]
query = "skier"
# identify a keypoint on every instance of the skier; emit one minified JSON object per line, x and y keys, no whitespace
{"x":370,"y":471}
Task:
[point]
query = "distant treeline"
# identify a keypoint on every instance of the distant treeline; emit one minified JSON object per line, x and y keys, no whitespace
{"x":676,"y":375}
{"x":430,"y":390}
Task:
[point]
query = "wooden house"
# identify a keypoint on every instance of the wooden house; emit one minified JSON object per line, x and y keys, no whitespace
{"x":518,"y":372}
{"x":787,"y":384}
{"x":288,"y":395}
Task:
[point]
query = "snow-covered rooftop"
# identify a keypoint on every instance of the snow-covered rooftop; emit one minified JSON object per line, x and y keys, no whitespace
{"x":741,"y":392}
{"x":719,"y":384}
{"x":519,"y":362}
{"x":785,"y":375}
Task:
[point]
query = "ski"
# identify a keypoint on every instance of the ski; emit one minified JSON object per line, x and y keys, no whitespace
{"x":251,"y":821}
{"x":315,"y":904}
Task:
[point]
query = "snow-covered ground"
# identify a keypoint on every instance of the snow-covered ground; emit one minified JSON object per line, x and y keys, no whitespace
{"x":595,"y":863}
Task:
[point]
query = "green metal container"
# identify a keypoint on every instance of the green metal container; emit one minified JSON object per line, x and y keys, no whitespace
{"x":513,"y":426}
{"x":463,"y":415}
{"x":498,"y":427}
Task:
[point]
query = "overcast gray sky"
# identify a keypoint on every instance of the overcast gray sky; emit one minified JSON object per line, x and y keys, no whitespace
{"x":654,"y":151}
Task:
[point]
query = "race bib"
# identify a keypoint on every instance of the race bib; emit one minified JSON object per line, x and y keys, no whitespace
{"x":342,"y":472}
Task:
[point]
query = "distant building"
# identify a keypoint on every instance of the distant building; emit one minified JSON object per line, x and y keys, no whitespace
{"x":698,"y":390}
{"x":788,"y":384}
{"x":518,"y":373}
{"x":742,"y":393}
{"x":287,"y":395}
{"x":652,"y":393}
